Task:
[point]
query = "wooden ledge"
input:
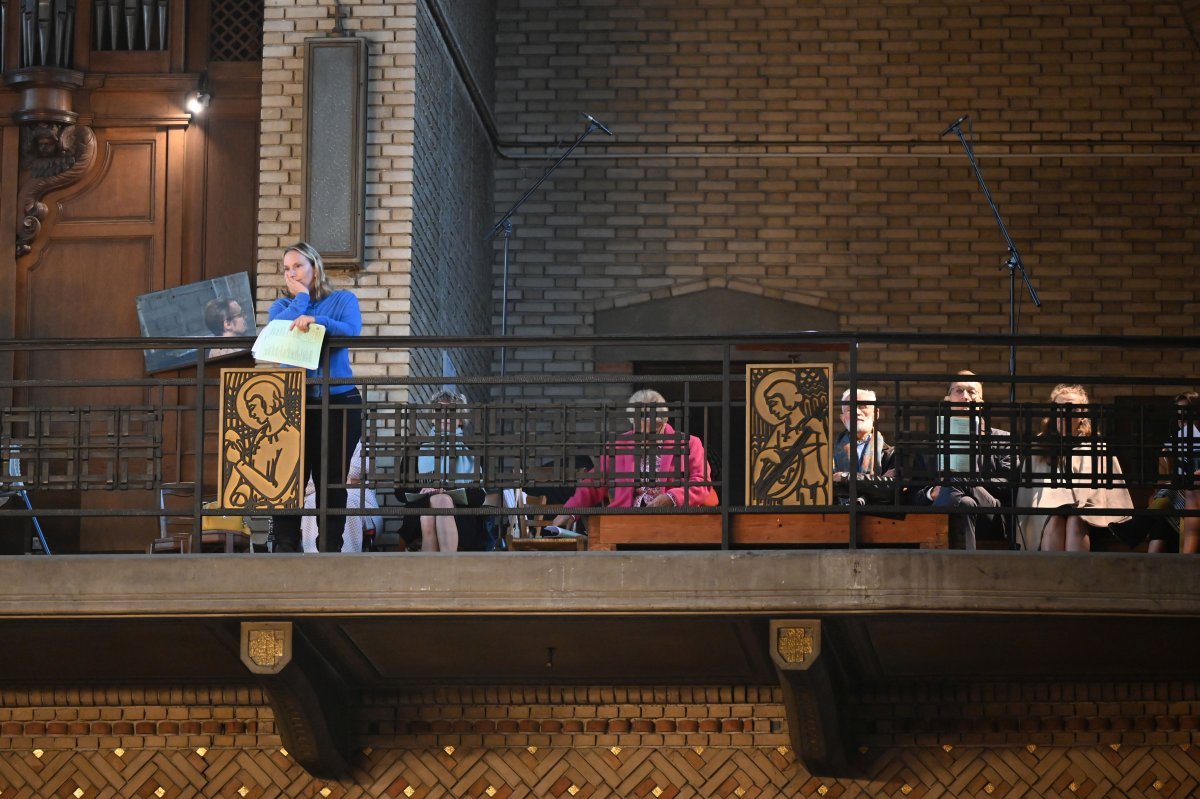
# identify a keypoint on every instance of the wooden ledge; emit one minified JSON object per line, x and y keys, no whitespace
{"x":929,"y":531}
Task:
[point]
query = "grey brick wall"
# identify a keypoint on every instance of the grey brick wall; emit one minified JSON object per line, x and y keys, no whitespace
{"x":793,"y":150}
{"x":452,"y":191}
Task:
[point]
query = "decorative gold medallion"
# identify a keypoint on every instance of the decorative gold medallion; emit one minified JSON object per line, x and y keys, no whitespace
{"x":797,"y":643}
{"x":266,"y":646}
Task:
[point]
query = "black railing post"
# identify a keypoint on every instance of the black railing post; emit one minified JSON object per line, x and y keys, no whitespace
{"x":726,"y":420}
{"x":198,"y":473}
{"x":852,"y":487}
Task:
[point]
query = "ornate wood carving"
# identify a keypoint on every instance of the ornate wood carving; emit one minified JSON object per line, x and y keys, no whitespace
{"x":53,"y":155}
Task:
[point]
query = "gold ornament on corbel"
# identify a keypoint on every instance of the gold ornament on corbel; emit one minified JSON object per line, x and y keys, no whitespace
{"x":266,"y":646}
{"x":796,"y":644}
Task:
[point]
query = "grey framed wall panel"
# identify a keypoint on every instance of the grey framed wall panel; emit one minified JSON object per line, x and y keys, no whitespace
{"x":335,"y":147}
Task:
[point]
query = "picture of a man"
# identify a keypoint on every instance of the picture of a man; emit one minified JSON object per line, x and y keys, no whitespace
{"x":224,"y":316}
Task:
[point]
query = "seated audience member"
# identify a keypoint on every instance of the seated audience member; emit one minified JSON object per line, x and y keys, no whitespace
{"x":990,"y":465}
{"x":356,"y":497}
{"x":1070,"y":466}
{"x":1181,"y":458}
{"x":631,"y":478}
{"x":447,"y":477}
{"x":875,"y":456}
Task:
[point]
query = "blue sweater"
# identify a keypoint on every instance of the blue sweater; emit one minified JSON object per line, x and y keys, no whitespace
{"x":340,"y":315}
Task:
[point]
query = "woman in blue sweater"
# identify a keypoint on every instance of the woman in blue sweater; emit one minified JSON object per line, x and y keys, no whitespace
{"x":311,"y":298}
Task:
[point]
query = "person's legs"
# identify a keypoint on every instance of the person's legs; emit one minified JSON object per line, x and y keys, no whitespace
{"x":429,"y":539}
{"x":1054,"y":534}
{"x":1189,"y":530}
{"x":285,"y":530}
{"x":345,"y":428}
{"x":439,"y":533}
{"x":1078,"y":539}
{"x":964,"y":524}
{"x":961,"y":526}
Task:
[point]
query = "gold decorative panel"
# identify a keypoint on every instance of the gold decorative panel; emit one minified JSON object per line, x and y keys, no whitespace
{"x":262,"y":438}
{"x":788,"y":435}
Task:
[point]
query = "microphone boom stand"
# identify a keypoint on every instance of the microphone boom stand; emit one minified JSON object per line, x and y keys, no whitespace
{"x":1014,"y":262}
{"x":505,"y":225}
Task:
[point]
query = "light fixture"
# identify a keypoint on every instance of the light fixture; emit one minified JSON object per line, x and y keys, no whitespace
{"x":197,"y":102}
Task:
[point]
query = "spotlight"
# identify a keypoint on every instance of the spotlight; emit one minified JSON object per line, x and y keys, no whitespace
{"x":197,"y":102}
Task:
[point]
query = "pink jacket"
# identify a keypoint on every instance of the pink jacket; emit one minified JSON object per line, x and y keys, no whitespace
{"x":621,"y":469}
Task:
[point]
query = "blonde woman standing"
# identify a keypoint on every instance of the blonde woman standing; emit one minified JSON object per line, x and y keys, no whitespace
{"x":309,"y":299}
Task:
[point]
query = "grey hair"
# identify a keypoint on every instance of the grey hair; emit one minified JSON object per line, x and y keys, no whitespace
{"x":448,"y":397}
{"x":639,"y":401}
{"x":863,"y":394}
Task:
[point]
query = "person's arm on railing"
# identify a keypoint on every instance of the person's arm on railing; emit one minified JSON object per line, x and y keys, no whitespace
{"x":590,"y":494}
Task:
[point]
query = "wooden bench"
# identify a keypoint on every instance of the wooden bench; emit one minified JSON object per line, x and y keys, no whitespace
{"x":929,"y":531}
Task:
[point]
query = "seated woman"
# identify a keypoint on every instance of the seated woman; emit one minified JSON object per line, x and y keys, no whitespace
{"x":1181,"y":458}
{"x":447,"y":477}
{"x":356,"y":496}
{"x":1071,"y":466}
{"x":632,"y":479}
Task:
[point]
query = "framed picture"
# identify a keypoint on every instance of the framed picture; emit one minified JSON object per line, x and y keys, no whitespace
{"x":788,"y":437}
{"x":214,"y":308}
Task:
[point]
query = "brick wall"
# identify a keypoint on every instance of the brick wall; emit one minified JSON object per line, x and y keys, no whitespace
{"x":960,"y":740}
{"x":793,"y":150}
{"x":452,"y":191}
{"x":383,"y":284}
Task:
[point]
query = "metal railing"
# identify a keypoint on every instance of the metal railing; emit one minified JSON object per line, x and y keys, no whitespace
{"x":564,"y":400}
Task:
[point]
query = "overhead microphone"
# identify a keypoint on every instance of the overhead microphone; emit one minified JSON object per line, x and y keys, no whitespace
{"x":597,"y":123}
{"x":956,"y":123}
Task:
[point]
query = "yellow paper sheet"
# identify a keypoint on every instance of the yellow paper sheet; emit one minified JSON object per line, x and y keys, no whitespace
{"x":277,"y":344}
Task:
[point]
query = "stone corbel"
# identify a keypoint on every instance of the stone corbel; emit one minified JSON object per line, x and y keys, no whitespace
{"x":811,"y":695}
{"x":55,"y":151}
{"x":311,"y":699}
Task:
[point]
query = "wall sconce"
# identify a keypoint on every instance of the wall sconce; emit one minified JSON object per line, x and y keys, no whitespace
{"x":197,"y":102}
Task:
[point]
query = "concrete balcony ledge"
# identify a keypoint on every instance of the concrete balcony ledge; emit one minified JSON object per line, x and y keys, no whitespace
{"x":589,"y":584}
{"x":824,"y":625}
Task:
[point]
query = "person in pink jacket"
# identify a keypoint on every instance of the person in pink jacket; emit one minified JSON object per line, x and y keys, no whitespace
{"x":631,"y":475}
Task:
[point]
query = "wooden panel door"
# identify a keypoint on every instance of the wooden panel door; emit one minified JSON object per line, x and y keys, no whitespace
{"x":107,"y":239}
